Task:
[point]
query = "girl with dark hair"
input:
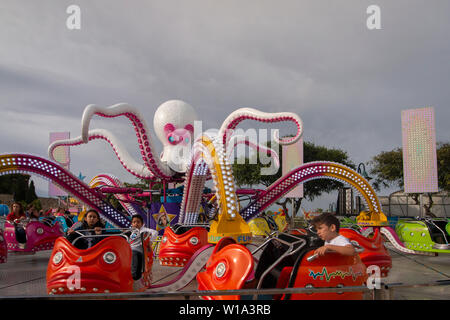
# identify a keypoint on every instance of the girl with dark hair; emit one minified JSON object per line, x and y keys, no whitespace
{"x":91,"y":226}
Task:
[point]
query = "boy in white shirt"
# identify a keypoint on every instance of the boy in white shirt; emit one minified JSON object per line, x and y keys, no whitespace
{"x":327,"y":227}
{"x":137,"y":223}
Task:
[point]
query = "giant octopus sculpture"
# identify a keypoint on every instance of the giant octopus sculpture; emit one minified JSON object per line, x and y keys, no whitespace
{"x":174,"y":126}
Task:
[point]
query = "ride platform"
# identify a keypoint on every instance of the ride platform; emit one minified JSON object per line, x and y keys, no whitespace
{"x":24,"y":275}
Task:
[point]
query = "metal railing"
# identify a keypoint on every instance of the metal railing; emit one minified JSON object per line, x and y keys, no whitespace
{"x":384,"y":292}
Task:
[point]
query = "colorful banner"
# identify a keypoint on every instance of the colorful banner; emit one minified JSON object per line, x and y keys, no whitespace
{"x":291,"y":159}
{"x":419,"y":150}
{"x":162,"y":215}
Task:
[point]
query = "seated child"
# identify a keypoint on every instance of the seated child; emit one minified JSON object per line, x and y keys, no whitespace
{"x":327,"y":227}
{"x":33,"y":213}
{"x":92,"y":226}
{"x":136,"y":244}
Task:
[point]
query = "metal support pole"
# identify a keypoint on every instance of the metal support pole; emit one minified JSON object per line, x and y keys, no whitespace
{"x":384,"y":293}
{"x":377,"y":294}
{"x":420,"y":205}
{"x":388,"y":293}
{"x":164,"y":190}
{"x":292,"y":211}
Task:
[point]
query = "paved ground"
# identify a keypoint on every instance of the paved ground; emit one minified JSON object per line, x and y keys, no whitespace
{"x":415,"y":269}
{"x":25,"y":275}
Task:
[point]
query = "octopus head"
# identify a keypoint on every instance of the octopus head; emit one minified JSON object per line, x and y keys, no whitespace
{"x":174,"y":126}
{"x":174,"y":119}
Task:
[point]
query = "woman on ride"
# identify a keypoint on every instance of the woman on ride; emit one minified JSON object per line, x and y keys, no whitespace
{"x":16,"y":215}
{"x":91,"y":227}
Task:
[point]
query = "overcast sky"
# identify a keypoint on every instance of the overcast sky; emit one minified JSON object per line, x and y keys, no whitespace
{"x":316,"y":58}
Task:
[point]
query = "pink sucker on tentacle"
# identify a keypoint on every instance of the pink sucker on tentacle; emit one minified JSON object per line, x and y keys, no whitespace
{"x":233,"y":124}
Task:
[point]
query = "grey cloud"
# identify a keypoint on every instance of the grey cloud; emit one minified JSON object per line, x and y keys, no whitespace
{"x":315,"y":58}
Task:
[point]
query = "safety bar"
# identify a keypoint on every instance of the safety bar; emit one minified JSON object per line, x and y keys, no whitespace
{"x":290,"y":251}
{"x":101,"y":235}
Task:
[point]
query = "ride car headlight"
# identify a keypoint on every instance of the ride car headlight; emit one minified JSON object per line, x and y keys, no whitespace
{"x":193,"y":240}
{"x":109,"y":257}
{"x":164,"y":240}
{"x":39,"y":231}
{"x":57,"y":258}
{"x":220,"y":270}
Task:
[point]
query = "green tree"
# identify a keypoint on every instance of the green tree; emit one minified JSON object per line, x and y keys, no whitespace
{"x":20,"y":186}
{"x":443,"y":163}
{"x":37,"y":204}
{"x":30,"y":194}
{"x":387,"y":168}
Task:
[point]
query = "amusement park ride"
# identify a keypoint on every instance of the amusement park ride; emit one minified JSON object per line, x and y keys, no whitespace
{"x":219,"y":253}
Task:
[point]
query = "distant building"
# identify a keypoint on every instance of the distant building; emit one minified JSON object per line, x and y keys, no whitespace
{"x":402,"y":204}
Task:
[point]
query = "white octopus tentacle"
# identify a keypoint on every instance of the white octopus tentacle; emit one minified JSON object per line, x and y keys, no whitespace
{"x":135,"y":168}
{"x":240,"y":139}
{"x":150,"y":157}
{"x":242,"y":114}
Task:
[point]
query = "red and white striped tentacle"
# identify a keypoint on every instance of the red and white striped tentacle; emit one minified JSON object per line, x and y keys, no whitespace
{"x":149,"y":156}
{"x":124,"y":157}
{"x":232,"y":121}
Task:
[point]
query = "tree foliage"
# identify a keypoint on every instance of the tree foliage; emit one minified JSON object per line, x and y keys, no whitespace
{"x":387,"y":167}
{"x":443,"y":163}
{"x":247,"y":174}
{"x":20,"y":186}
{"x":30,"y":194}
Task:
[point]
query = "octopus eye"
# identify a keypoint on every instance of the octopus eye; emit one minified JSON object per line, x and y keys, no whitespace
{"x":171,"y":139}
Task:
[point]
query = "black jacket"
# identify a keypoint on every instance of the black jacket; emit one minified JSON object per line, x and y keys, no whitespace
{"x":86,"y":242}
